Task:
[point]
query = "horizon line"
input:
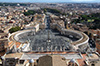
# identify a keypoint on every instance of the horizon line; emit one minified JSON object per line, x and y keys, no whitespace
{"x":49,"y":2}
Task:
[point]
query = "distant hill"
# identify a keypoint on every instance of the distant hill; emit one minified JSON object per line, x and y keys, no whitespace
{"x":13,"y":4}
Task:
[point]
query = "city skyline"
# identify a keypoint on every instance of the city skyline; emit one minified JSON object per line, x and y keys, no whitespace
{"x":53,"y":1}
{"x":49,"y":33}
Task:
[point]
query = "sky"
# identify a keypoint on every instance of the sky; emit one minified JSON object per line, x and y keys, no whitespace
{"x":32,"y":1}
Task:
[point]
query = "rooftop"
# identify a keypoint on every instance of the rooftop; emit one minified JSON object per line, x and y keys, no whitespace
{"x":14,"y":55}
{"x":37,"y":55}
{"x":93,"y":56}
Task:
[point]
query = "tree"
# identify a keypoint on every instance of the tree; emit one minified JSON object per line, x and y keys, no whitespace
{"x":45,"y":10}
{"x":30,"y":12}
{"x":14,"y":29}
{"x":51,"y":10}
{"x":90,"y":19}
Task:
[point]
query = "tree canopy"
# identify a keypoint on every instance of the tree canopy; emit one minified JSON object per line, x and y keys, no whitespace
{"x":93,"y":18}
{"x":30,"y":12}
{"x":51,"y":10}
{"x":14,"y":29}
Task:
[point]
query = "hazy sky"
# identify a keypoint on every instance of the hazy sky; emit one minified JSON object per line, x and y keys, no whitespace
{"x":50,"y":1}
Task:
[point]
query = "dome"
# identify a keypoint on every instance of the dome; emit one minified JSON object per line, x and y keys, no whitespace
{"x":31,"y":61}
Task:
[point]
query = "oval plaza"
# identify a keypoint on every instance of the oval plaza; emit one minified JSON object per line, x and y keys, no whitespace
{"x":51,"y":35}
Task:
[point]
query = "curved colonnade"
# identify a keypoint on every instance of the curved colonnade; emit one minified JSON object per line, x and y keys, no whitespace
{"x":80,"y":43}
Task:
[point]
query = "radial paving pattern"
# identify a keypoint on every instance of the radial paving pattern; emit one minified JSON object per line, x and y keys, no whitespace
{"x":39,"y":42}
{"x":57,"y":42}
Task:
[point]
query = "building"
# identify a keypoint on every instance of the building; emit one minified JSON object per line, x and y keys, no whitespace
{"x":89,"y":59}
{"x":51,"y":60}
{"x":94,"y":34}
{"x":98,"y":45}
{"x":13,"y":59}
{"x":3,"y":42}
{"x":48,"y":59}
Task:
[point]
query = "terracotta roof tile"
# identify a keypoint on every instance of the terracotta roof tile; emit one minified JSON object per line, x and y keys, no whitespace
{"x":18,"y":44}
{"x":81,"y":61}
{"x":9,"y":44}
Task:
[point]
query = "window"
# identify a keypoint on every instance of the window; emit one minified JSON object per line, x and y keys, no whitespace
{"x":21,"y":61}
{"x":92,"y":64}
